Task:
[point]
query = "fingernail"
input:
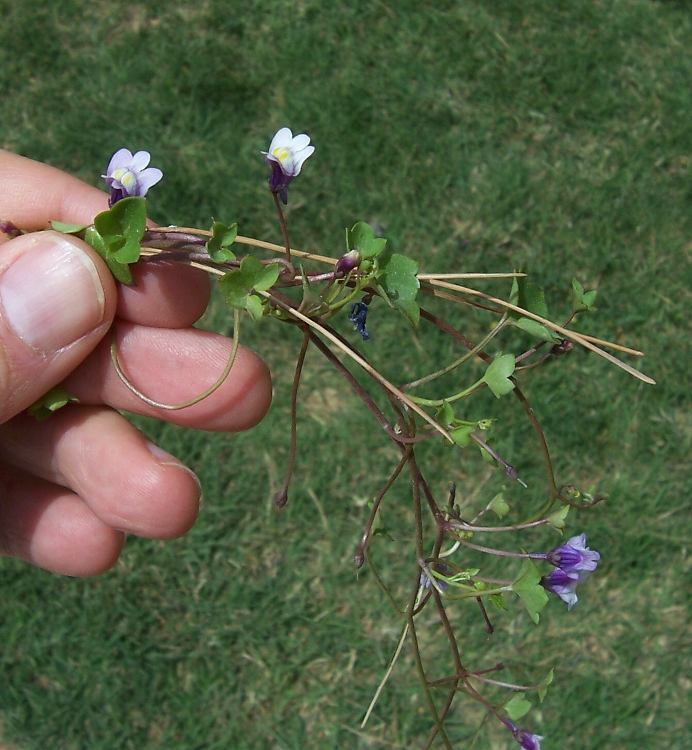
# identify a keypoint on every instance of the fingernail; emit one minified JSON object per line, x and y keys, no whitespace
{"x":165,"y":459}
{"x":51,"y":295}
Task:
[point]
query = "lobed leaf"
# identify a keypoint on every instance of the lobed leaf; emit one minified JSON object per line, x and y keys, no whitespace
{"x":497,"y":376}
{"x":517,"y":706}
{"x":222,"y":237}
{"x":528,"y":588}
{"x":361,"y":237}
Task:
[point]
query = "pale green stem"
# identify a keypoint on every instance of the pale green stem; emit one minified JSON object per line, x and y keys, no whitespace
{"x":461,"y":360}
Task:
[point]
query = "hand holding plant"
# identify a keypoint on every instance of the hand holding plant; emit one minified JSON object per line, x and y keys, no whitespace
{"x":451,"y":554}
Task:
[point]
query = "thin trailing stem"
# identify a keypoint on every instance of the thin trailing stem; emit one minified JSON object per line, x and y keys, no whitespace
{"x":418,"y":537}
{"x":360,"y":361}
{"x":566,"y":332}
{"x":545,"y":451}
{"x":283,"y":225}
{"x":363,"y":394}
{"x":460,"y":361}
{"x":282,"y":496}
{"x":386,"y":675}
{"x":510,"y":471}
{"x":504,"y":552}
{"x":458,"y":666}
{"x":463,"y":526}
{"x":190,"y":402}
{"x":359,"y":556}
{"x":383,"y":586}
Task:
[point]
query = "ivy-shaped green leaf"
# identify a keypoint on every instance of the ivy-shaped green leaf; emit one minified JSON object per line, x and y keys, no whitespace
{"x":120,"y":271}
{"x":545,"y":683}
{"x":527,"y":586}
{"x":61,"y":226}
{"x":497,"y":376}
{"x":398,"y":279}
{"x":558,"y":518}
{"x":583,"y":300}
{"x":361,"y":237}
{"x":517,"y":707}
{"x":222,"y":237}
{"x":55,"y":399}
{"x":536,"y":329}
{"x":462,"y":435}
{"x":237,"y":285}
{"x":122,"y":228}
{"x":531,"y":297}
{"x":445,"y":414}
{"x":499,"y":505}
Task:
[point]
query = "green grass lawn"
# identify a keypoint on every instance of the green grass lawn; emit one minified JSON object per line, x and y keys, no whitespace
{"x":480,"y":136}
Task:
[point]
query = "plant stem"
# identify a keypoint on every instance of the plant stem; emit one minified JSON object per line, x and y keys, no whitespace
{"x":190,"y":402}
{"x":282,"y":496}
{"x":359,"y":557}
{"x":282,"y":224}
{"x":360,"y":360}
{"x":461,"y":525}
{"x":573,"y":335}
{"x":460,"y":361}
{"x":503,"y":552}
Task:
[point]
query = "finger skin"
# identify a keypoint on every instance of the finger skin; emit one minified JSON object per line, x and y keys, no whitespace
{"x":33,"y":194}
{"x":172,"y":366}
{"x":50,"y":527}
{"x":127,"y":482}
{"x":25,"y":373}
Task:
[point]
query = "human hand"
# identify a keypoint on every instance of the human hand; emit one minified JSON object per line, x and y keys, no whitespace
{"x":73,"y":485}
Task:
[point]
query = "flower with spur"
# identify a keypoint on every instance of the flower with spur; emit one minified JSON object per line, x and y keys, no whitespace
{"x":562,"y":584}
{"x":286,"y":156}
{"x":130,"y":175}
{"x":575,"y":557}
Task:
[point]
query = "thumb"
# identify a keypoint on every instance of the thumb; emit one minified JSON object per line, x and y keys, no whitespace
{"x":57,"y":300}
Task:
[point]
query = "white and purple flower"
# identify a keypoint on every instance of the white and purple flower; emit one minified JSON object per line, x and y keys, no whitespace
{"x":286,"y":156}
{"x":129,"y":175}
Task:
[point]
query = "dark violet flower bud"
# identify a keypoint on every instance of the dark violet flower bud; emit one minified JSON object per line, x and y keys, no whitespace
{"x":357,"y":315}
{"x":9,"y":229}
{"x":286,"y":156}
{"x":564,"y":347}
{"x":528,"y":741}
{"x":129,"y":175}
{"x":575,"y":557}
{"x":562,"y":584}
{"x":347,"y":262}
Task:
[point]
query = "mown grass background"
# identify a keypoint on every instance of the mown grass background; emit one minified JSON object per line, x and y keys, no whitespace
{"x":479,"y":136}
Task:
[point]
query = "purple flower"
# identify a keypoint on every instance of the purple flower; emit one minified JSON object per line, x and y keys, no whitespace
{"x":426,"y":583}
{"x":528,"y":741}
{"x":129,"y":175}
{"x":286,"y":156}
{"x":575,"y":557}
{"x":357,"y":315}
{"x":562,"y":584}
